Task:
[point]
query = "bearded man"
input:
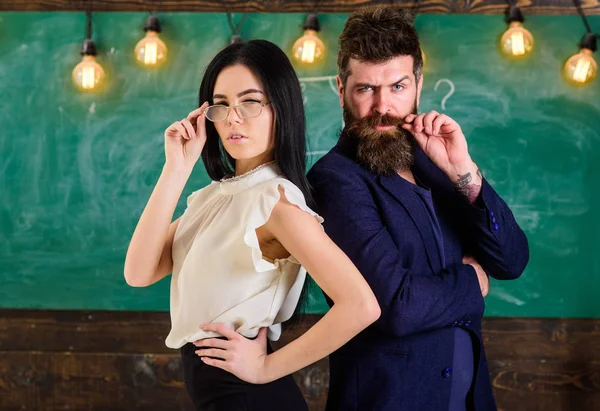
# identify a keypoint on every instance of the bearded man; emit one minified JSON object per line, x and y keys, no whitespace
{"x":402,"y":197}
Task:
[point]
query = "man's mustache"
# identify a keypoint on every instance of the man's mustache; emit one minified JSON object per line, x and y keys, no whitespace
{"x":383,"y":120}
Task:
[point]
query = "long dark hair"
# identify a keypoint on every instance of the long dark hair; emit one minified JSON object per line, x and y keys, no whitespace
{"x":274,"y":70}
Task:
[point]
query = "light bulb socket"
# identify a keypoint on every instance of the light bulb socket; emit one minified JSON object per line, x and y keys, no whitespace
{"x":236,"y":39}
{"x":514,"y":14}
{"x":88,"y":48}
{"x":312,"y":22}
{"x":589,"y":41}
{"x":152,"y":24}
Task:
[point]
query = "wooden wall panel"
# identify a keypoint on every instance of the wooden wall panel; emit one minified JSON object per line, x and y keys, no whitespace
{"x":101,"y":360}
{"x":528,"y":7}
{"x":46,"y":380}
{"x":252,"y":6}
{"x":299,"y":6}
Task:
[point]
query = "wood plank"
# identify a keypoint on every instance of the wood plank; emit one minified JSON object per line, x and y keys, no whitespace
{"x":562,"y":339}
{"x":238,"y":6}
{"x":53,"y":381}
{"x":542,"y":385}
{"x":530,"y":7}
{"x":121,"y":352}
{"x":105,"y":360}
{"x":142,"y":332}
{"x":97,"y":381}
{"x":84,"y":331}
{"x":97,"y":331}
{"x":84,"y":381}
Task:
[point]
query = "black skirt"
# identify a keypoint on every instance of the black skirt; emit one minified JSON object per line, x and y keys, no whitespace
{"x":214,"y":389}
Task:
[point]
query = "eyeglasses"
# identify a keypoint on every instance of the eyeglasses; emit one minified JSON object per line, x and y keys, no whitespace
{"x":247,"y":109}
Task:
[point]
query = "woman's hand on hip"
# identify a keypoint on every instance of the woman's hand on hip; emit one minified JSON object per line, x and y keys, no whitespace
{"x":244,"y":358}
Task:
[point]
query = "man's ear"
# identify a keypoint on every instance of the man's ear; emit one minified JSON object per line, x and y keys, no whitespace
{"x":419,"y":89}
{"x":341,"y":90}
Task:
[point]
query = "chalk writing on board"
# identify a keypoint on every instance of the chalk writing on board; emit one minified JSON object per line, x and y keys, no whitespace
{"x":447,"y":96}
{"x":329,"y":79}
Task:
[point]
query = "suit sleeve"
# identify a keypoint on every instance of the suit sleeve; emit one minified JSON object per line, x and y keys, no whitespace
{"x":411,"y":301}
{"x":491,"y":232}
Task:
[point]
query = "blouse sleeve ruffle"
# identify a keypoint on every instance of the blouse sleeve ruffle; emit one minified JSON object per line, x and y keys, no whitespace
{"x":261,"y":212}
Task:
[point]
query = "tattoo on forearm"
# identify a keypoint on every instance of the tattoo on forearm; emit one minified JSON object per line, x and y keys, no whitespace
{"x":467,"y":188}
{"x":463,"y":180}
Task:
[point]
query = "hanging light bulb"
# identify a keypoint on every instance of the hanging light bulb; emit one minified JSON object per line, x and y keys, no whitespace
{"x":581,"y":69}
{"x":516,"y":42}
{"x":88,"y":74}
{"x":309,"y":48}
{"x":151,"y":51}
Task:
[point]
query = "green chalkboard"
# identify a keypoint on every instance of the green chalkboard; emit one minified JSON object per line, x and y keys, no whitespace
{"x":76,"y":170}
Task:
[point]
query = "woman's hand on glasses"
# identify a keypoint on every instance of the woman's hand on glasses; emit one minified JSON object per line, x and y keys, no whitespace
{"x":185,"y":139}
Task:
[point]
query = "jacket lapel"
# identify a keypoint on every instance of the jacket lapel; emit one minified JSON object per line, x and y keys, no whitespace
{"x":402,"y":192}
{"x":399,"y":190}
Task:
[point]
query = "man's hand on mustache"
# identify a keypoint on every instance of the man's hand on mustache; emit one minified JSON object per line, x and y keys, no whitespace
{"x":442,"y":139}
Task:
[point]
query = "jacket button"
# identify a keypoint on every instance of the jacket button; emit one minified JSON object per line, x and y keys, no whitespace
{"x":447,"y":373}
{"x":496,"y":227}
{"x":468,"y":323}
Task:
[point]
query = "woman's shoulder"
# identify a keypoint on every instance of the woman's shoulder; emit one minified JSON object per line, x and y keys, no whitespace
{"x":275,"y":185}
{"x":274,"y":189}
{"x":203,"y":192}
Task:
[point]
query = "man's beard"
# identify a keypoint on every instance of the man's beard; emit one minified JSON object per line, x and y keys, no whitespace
{"x":384,"y":152}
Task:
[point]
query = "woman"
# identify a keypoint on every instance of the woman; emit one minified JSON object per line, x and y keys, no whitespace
{"x":237,"y":252}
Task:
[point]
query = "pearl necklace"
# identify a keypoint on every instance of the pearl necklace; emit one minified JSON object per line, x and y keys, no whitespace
{"x":241,"y":176}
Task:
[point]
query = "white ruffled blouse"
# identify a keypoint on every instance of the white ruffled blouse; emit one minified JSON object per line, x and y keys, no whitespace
{"x":219,"y":273}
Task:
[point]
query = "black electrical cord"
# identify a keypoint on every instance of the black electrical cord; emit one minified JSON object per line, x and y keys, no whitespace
{"x":235,"y":29}
{"x":590,"y":39}
{"x":89,"y":47}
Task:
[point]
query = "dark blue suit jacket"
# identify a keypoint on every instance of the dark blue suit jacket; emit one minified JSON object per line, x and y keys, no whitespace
{"x":413,"y":263}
